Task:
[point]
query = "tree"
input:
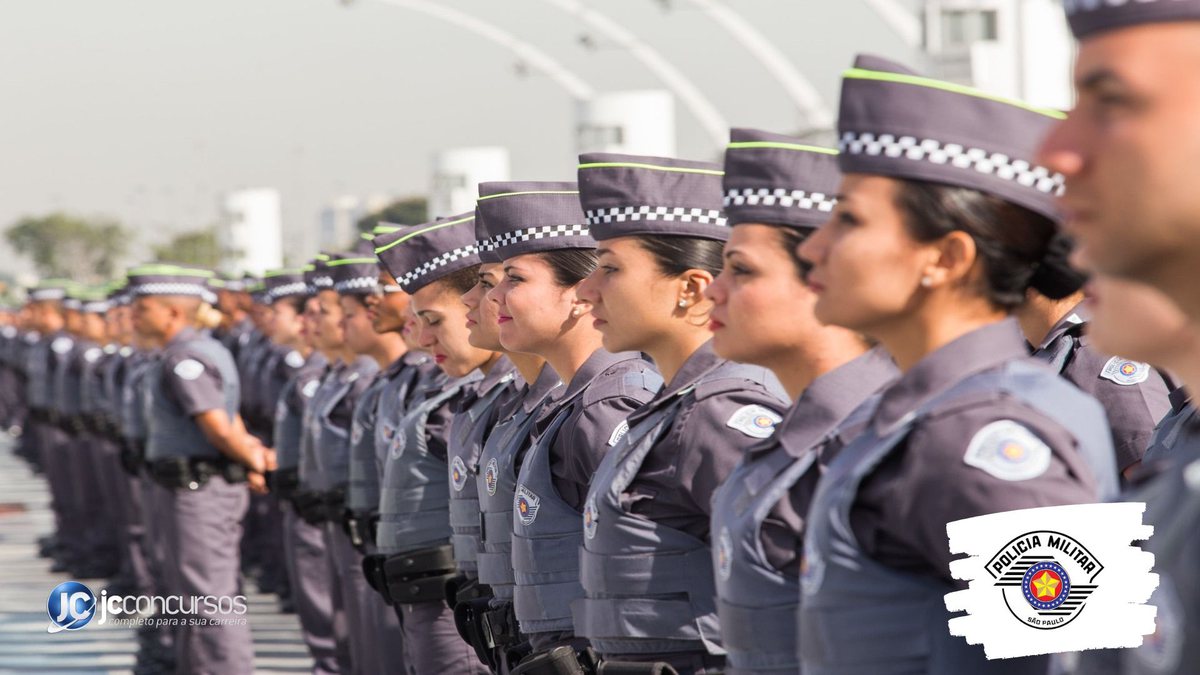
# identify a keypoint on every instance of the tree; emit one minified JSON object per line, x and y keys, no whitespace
{"x":62,"y":245}
{"x":405,"y":211}
{"x":199,"y":248}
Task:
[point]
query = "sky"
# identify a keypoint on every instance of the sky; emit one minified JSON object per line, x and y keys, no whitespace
{"x":148,"y":110}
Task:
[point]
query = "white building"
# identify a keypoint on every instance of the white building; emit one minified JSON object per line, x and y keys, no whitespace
{"x":629,"y":122}
{"x":457,"y":174}
{"x":338,"y":227}
{"x":1016,"y":48}
{"x":251,"y":231}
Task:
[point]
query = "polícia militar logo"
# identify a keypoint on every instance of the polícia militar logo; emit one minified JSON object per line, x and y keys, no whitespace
{"x":1046,"y":578}
{"x":71,"y":606}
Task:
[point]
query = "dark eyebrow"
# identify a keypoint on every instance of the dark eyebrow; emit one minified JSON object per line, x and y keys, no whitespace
{"x":1097,"y":78}
{"x":600,"y":250}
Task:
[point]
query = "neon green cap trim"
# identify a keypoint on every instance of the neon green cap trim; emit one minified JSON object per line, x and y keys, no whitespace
{"x":278,"y":273}
{"x":863,"y":74}
{"x":749,"y":145}
{"x":431,"y":228}
{"x":530,"y":192}
{"x":652,"y":167}
{"x":385,"y":229}
{"x":350,"y":261}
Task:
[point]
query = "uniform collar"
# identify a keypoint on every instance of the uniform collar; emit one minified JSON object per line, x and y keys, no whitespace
{"x":546,"y":382}
{"x":1179,"y":398}
{"x":186,"y":335}
{"x":981,"y":349}
{"x":831,"y":398}
{"x":501,"y":372}
{"x":1078,"y":316}
{"x":702,"y":361}
{"x":597,"y":363}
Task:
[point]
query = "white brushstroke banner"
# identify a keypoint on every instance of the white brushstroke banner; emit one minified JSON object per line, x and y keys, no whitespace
{"x":1054,"y":579}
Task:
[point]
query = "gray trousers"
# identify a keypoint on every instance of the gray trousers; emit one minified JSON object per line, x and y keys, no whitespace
{"x":432,"y":643}
{"x":376,"y":641}
{"x":308,"y":569}
{"x":52,"y":447}
{"x":204,"y":538}
{"x":124,"y":492}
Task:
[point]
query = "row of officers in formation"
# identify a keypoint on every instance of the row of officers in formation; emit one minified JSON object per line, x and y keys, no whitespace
{"x":673,"y":417}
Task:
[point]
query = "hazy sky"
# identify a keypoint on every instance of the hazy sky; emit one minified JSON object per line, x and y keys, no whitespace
{"x":147,"y":110}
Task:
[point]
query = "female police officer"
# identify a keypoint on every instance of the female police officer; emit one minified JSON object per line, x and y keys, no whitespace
{"x":538,"y":230}
{"x":940,"y":218}
{"x":645,"y":563}
{"x":777,"y":191}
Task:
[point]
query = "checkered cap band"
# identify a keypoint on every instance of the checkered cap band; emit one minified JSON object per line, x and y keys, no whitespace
{"x":322,"y":282}
{"x":40,"y":294}
{"x":171,"y":288}
{"x":681,"y":214}
{"x":1018,"y":171}
{"x":72,"y":303}
{"x":1095,"y":16}
{"x":410,"y":281}
{"x":798,"y":199}
{"x":355,"y":285}
{"x":284,"y":290}
{"x":96,"y":307}
{"x":507,"y":239}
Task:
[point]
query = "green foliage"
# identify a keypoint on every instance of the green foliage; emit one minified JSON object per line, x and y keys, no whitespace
{"x":406,"y":211}
{"x":75,"y":247}
{"x":199,"y":248}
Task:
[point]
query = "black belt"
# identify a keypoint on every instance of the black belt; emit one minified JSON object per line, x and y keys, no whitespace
{"x":179,"y":473}
{"x":361,"y":527}
{"x":411,"y":577}
{"x":318,"y":508}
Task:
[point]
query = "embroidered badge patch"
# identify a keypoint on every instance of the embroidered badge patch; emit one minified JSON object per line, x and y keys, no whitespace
{"x":1125,"y":372}
{"x":591,"y":518}
{"x":92,"y":354}
{"x":618,"y":433}
{"x":294,"y":359}
{"x":310,"y":388}
{"x":526,"y":504}
{"x":491,"y":477}
{"x":724,"y":554}
{"x":754,"y":420}
{"x":458,"y":474}
{"x":356,"y":433}
{"x":62,"y":345}
{"x":189,"y":369}
{"x":1009,"y":451}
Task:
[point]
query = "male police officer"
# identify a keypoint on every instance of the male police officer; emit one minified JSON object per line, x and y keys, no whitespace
{"x":198,"y":450}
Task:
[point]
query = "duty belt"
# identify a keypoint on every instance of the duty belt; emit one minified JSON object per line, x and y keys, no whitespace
{"x":188,"y":473}
{"x":412,"y":577}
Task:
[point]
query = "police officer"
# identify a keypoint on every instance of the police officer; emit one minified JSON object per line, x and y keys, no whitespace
{"x":197,"y":450}
{"x":1134,"y":394}
{"x":1135,"y":66}
{"x":62,"y":391}
{"x":485,"y":622}
{"x":646,"y":563}
{"x":540,"y":233}
{"x":434,"y":263}
{"x":308,"y":565}
{"x":941,"y":215}
{"x":777,"y":191}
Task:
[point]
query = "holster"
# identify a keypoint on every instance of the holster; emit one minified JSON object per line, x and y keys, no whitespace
{"x":419,"y":576}
{"x":286,"y":482}
{"x":461,"y":588}
{"x":309,"y":505}
{"x":131,"y":457}
{"x":360,"y":526}
{"x":558,"y":661}
{"x":468,"y":619}
{"x":373,"y":570}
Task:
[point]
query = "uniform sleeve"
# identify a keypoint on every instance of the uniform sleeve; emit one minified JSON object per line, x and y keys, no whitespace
{"x":902,"y":509}
{"x":712,"y":437}
{"x":1133,"y":410}
{"x":193,"y":383}
{"x":582,"y":442}
{"x":437,"y":429}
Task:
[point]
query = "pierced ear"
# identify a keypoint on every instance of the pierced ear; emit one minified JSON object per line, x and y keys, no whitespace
{"x":956,"y":254}
{"x":695,"y":282}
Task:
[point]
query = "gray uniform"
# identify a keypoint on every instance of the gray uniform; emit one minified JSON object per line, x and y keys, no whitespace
{"x":571,"y":438}
{"x":308,"y":565}
{"x":876,"y":557}
{"x":1172,"y":428}
{"x":759,"y":515}
{"x":1134,"y":395}
{"x":646,"y":561}
{"x":196,"y":374}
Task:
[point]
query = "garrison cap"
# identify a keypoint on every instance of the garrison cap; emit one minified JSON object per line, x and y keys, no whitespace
{"x":777,"y":180}
{"x":284,"y":283}
{"x":530,"y":217}
{"x":317,"y":274}
{"x":625,"y":195}
{"x":355,"y":274}
{"x":483,"y":242}
{"x":94,"y":300}
{"x":165,"y":279}
{"x":896,"y":123}
{"x":74,"y":299}
{"x":49,"y":289}
{"x":1089,"y":17}
{"x":118,"y":292}
{"x":418,"y":256}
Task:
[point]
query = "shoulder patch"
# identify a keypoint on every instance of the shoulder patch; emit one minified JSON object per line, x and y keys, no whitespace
{"x":1009,"y":451}
{"x":491,"y":477}
{"x":92,"y":354}
{"x":526,"y":504}
{"x":126,"y":351}
{"x":189,"y":369}
{"x":755,"y":421}
{"x":458,"y":473}
{"x":310,"y":388}
{"x":293,"y":359}
{"x":618,"y":433}
{"x":62,"y":345}
{"x":1125,"y":372}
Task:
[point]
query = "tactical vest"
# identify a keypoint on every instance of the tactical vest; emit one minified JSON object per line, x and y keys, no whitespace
{"x":546,"y":536}
{"x":329,"y":443}
{"x":362,"y":449}
{"x":170,"y":432}
{"x":649,"y":586}
{"x":466,"y":441}
{"x":394,"y":400}
{"x":289,"y":418}
{"x":859,"y":616}
{"x":64,"y":390}
{"x":414,"y":501}
{"x":756,"y":602}
{"x":91,"y":394}
{"x":133,"y":396}
{"x":496,"y":487}
{"x":1170,"y":432}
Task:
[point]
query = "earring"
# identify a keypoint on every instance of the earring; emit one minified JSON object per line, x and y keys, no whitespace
{"x":575,"y":313}
{"x":926,"y":281}
{"x":682,"y":304}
